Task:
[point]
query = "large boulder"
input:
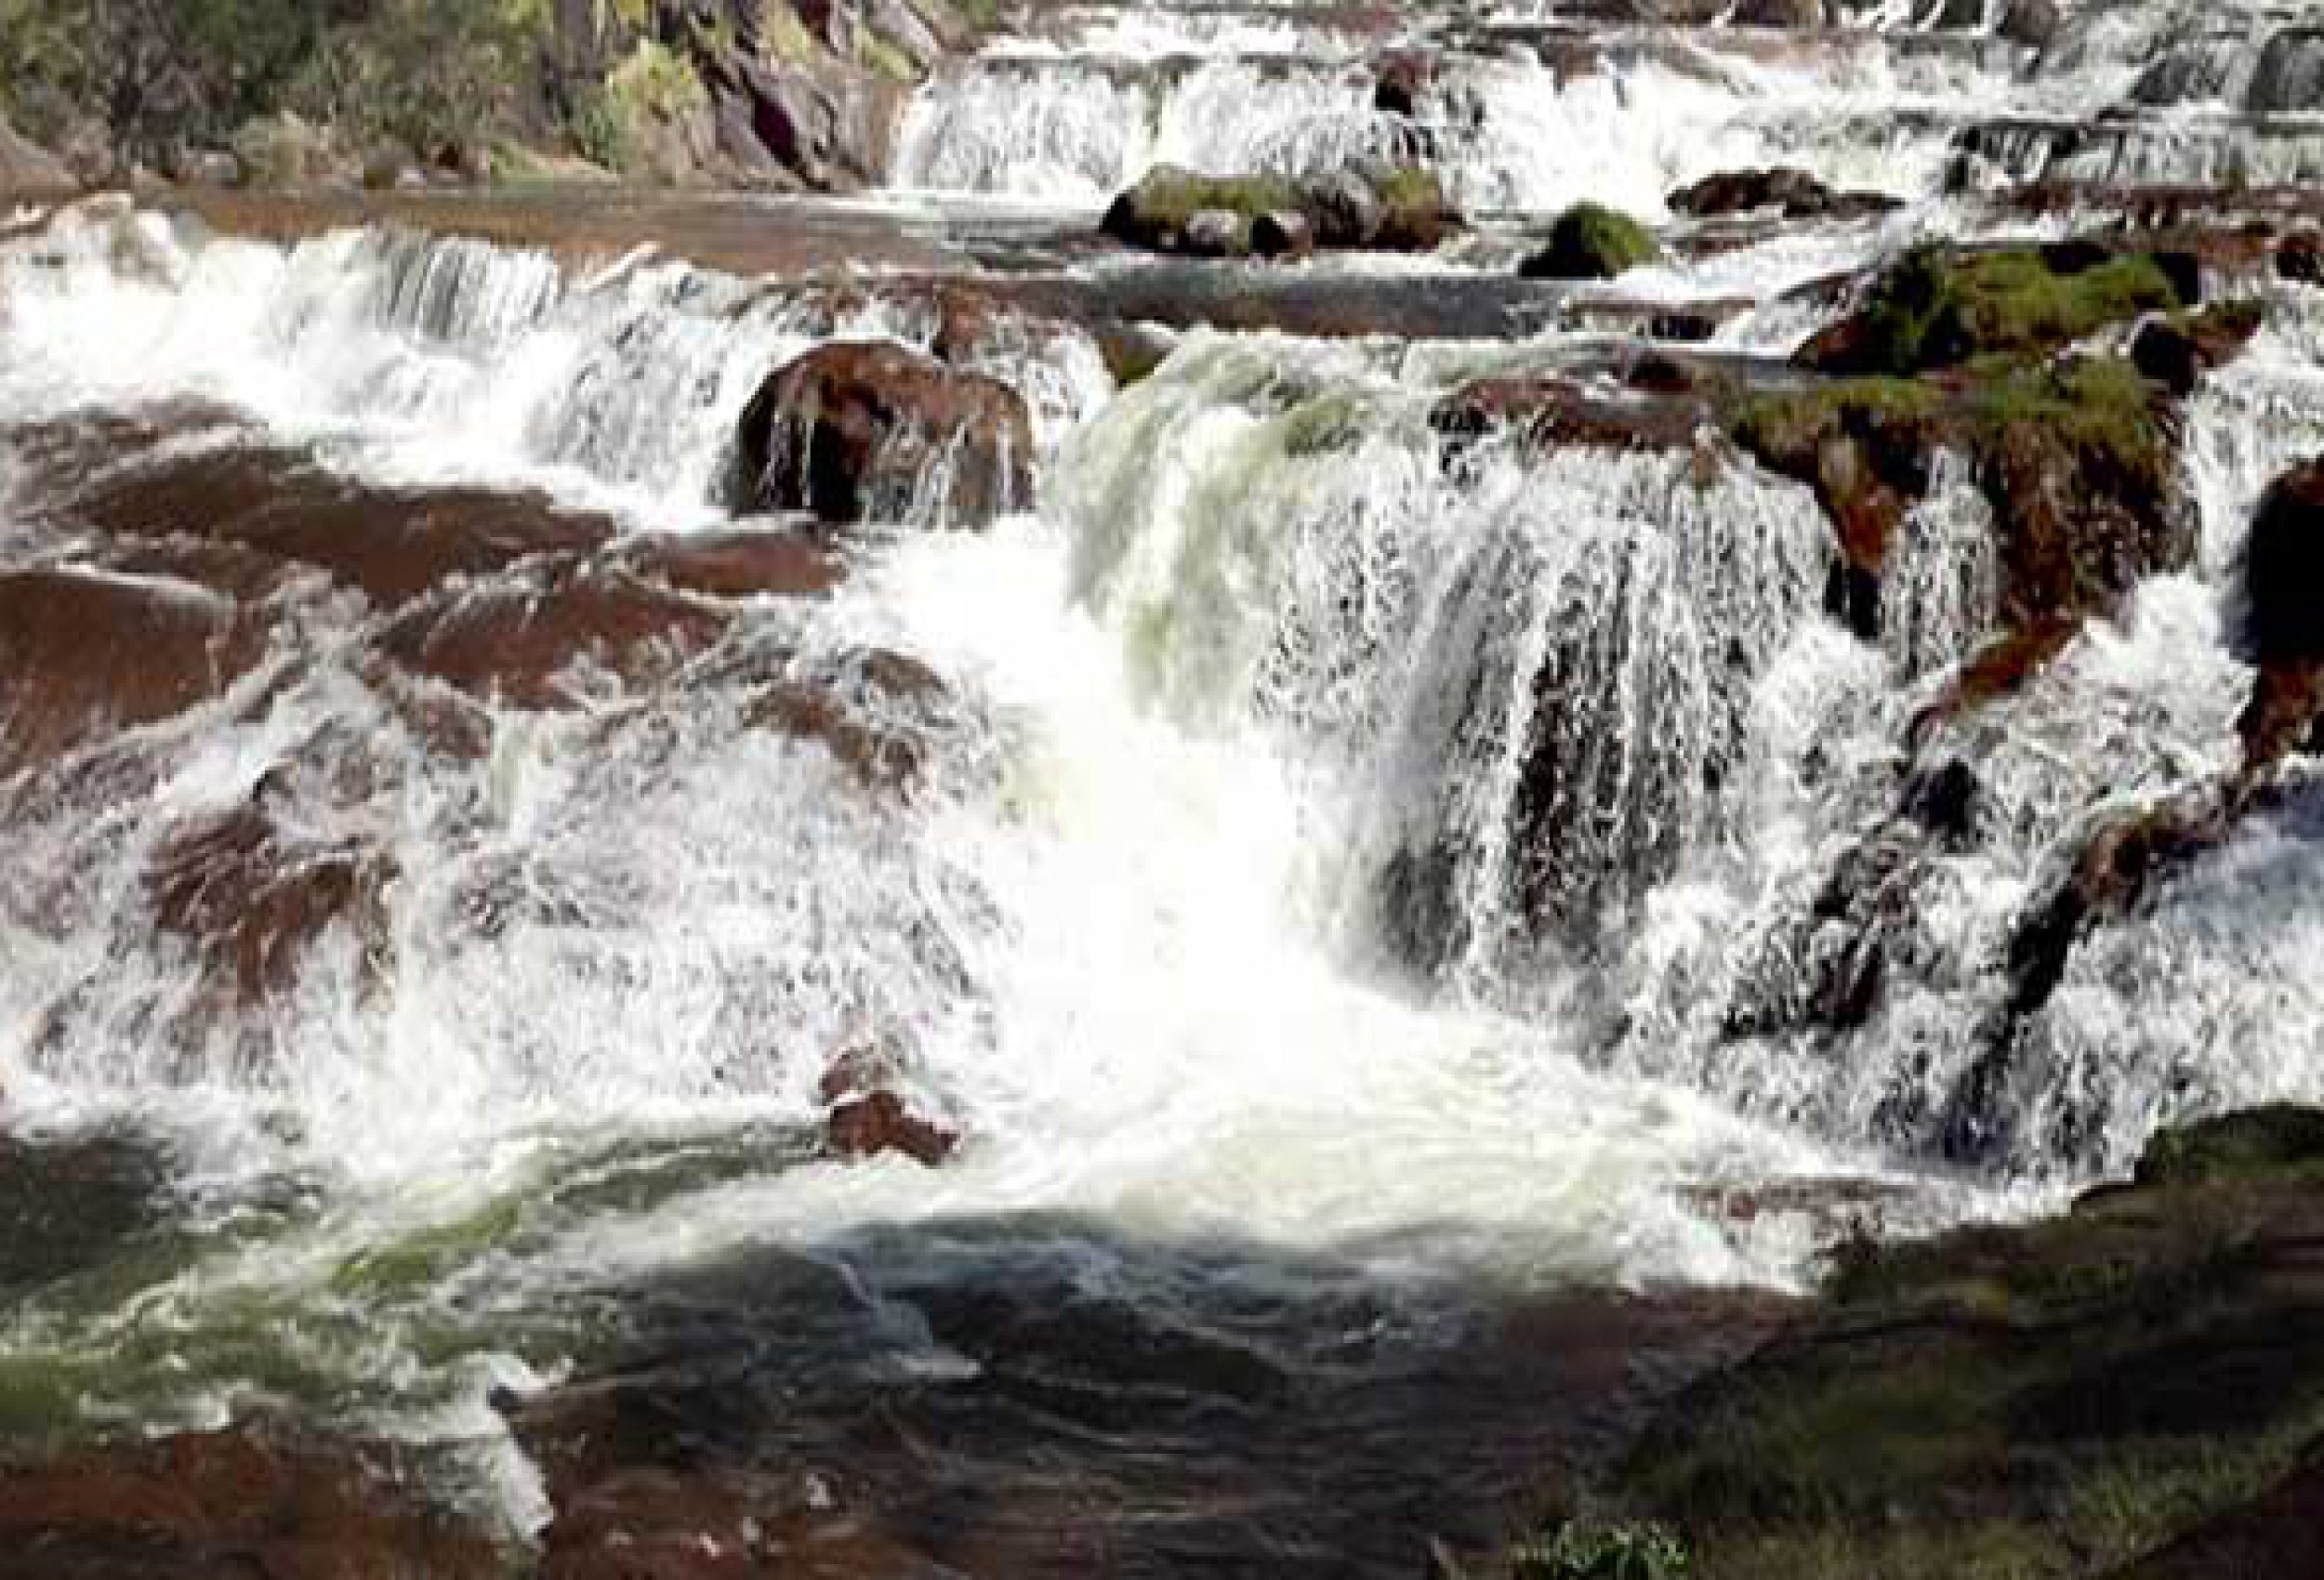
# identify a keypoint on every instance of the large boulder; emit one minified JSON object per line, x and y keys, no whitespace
{"x":2289,"y":79}
{"x":2177,"y":350}
{"x":871,"y":431}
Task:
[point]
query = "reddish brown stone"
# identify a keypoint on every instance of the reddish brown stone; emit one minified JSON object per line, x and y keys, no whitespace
{"x":851,"y":432}
{"x":252,"y":898}
{"x":83,"y":654}
{"x":235,"y":1505}
{"x":867,"y":1126}
{"x":737,"y":563}
{"x":520,"y":641}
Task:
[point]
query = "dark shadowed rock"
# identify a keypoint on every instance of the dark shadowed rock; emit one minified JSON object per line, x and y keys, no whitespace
{"x":2279,"y":616}
{"x":1591,"y":241}
{"x":2300,"y":258}
{"x":2176,"y":351}
{"x":856,"y":431}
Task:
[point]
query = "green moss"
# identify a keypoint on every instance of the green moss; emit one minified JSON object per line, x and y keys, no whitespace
{"x":1593,"y":241}
{"x":1935,"y":308}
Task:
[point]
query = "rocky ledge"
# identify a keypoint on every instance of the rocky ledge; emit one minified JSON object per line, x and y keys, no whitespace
{"x":2133,"y":1391}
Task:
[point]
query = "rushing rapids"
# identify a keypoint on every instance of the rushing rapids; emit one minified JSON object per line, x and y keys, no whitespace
{"x":1327,"y":879}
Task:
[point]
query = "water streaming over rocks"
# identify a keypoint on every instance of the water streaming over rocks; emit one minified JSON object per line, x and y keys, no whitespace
{"x":1359,"y":884}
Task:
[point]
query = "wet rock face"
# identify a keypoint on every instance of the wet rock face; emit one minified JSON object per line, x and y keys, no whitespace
{"x":2178,"y":351}
{"x":540,"y":643}
{"x":2280,"y":623}
{"x":871,"y":431}
{"x":229,"y":1506}
{"x":251,"y":897}
{"x":1794,"y":193}
{"x":84,"y":653}
{"x":2289,"y":79}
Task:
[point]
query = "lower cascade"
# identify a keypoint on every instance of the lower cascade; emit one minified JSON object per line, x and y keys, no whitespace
{"x":861,"y":875}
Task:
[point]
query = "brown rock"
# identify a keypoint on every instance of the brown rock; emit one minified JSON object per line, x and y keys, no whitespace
{"x":867,"y":1126}
{"x":522,"y":640}
{"x":252,"y":898}
{"x":1794,"y":193}
{"x":737,"y":563}
{"x":853,"y":431}
{"x":85,"y":653}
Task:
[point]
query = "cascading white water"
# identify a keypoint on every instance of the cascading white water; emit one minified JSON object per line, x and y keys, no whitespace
{"x":1509,"y":130}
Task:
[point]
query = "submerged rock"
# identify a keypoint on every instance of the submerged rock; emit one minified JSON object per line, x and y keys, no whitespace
{"x":255,"y":1500}
{"x":872,"y":431}
{"x":1591,"y":241}
{"x":252,"y":898}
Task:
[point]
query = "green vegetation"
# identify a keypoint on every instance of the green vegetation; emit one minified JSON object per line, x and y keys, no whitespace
{"x":1938,"y":308}
{"x":1591,"y":241}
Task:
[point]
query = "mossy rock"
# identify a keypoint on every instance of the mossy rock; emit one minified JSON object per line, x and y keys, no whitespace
{"x":1175,"y":210}
{"x":2079,"y":462}
{"x":1936,"y":307}
{"x":2178,"y":349}
{"x":2057,"y":1399}
{"x":1591,"y":241}
{"x":2280,"y":1138}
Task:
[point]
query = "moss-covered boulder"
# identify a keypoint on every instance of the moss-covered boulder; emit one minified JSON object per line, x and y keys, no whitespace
{"x":2078,"y":460}
{"x":1936,"y":307}
{"x":1591,"y":241}
{"x":2108,"y":1393}
{"x":1185,"y":213}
